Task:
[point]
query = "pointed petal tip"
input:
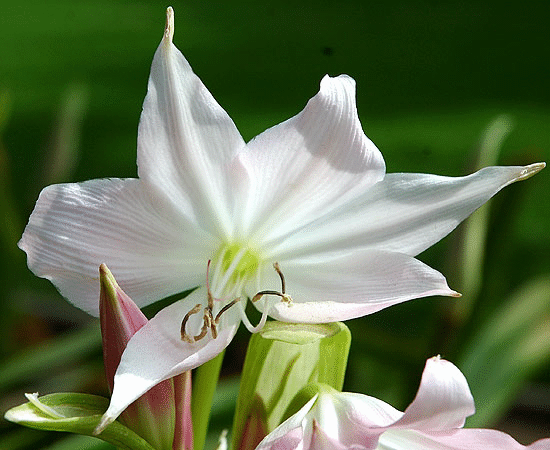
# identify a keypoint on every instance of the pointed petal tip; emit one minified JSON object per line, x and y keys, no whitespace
{"x":530,"y":170}
{"x":104,"y":271}
{"x":169,"y":30}
{"x":107,"y":279}
{"x":455,"y":294}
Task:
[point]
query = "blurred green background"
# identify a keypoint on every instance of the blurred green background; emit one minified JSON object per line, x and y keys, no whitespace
{"x":432,"y":78}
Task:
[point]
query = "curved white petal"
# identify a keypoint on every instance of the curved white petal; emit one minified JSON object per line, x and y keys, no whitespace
{"x":343,"y":286}
{"x":157,"y":352}
{"x":462,"y":439}
{"x":354,"y":419}
{"x":289,"y":434}
{"x":404,"y":212}
{"x":443,"y":400}
{"x":308,"y":165}
{"x":186,"y":141}
{"x":152,"y":250}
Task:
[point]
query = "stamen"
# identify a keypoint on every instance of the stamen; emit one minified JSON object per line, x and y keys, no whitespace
{"x":284,"y":297}
{"x":211,"y":322}
{"x":224,"y":309}
{"x":260,"y":294}
{"x":210,"y":298}
{"x":278,"y":270}
{"x":205,"y":324}
{"x":184,"y":336}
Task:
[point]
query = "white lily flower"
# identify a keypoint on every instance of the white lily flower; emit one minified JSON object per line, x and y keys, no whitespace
{"x":310,"y":193}
{"x":434,"y":420}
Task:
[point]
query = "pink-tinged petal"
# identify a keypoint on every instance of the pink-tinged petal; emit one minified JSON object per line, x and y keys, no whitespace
{"x":356,"y":420}
{"x":404,"y":212}
{"x":183,"y":430}
{"x":152,"y":249}
{"x":186,"y":141}
{"x":157,"y":352}
{"x":290,"y":434}
{"x":462,"y":439}
{"x":308,"y":165}
{"x":343,"y":286}
{"x":322,"y":441}
{"x":120,"y":319}
{"x":443,"y":400}
{"x":154,"y":412}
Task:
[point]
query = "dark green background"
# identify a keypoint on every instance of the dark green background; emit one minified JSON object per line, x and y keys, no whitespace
{"x":430,"y":77}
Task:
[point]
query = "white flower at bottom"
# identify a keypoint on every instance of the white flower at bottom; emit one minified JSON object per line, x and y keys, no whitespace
{"x":434,"y":420}
{"x":310,"y":193}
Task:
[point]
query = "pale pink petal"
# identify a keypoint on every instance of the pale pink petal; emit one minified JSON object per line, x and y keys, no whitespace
{"x":154,"y":412}
{"x":462,"y":439}
{"x":443,"y":400}
{"x":186,"y":141}
{"x":356,"y":420}
{"x":322,"y":441}
{"x":308,"y":165}
{"x":153,"y":250}
{"x":343,"y":286}
{"x":183,"y":429}
{"x":404,"y":212}
{"x":289,"y":434}
{"x":156,"y":352}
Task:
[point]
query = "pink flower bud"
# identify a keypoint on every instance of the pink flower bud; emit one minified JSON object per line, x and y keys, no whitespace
{"x":162,"y":415}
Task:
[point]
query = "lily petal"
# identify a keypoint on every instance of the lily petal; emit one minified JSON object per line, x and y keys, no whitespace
{"x":336,"y":287}
{"x":463,"y":439}
{"x":309,"y":164}
{"x":186,"y":141}
{"x":289,"y":434}
{"x":152,"y":249}
{"x":342,"y":420}
{"x":156,"y":352}
{"x":443,"y":400}
{"x":404,"y":212}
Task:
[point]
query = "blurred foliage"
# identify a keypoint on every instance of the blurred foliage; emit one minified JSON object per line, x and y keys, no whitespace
{"x":431,"y":77}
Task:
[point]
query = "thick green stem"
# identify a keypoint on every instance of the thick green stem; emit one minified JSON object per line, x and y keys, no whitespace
{"x":205,"y":380}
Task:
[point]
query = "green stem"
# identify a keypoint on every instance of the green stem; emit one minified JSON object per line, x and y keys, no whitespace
{"x":204,"y":386}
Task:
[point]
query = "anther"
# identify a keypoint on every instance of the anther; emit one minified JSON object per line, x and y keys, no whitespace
{"x":184,"y":336}
{"x":224,"y":309}
{"x":281,"y":276}
{"x":206,"y":323}
{"x":284,"y":297}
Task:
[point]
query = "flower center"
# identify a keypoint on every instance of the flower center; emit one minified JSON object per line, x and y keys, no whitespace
{"x":234,"y":265}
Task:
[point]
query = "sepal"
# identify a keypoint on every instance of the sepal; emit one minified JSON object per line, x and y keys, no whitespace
{"x":74,"y":413}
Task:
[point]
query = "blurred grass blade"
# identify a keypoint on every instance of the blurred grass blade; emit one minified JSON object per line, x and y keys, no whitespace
{"x":507,"y":349}
{"x":475,"y":234}
{"x":11,"y":224}
{"x":205,"y":380}
{"x":65,"y":142}
{"x":59,"y":352}
{"x":75,"y":413}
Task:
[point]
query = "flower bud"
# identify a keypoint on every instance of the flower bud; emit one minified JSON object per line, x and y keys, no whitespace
{"x":162,"y":416}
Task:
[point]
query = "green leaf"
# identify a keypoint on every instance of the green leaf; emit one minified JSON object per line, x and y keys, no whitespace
{"x":507,"y":349}
{"x":74,"y":413}
{"x":206,"y":379}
